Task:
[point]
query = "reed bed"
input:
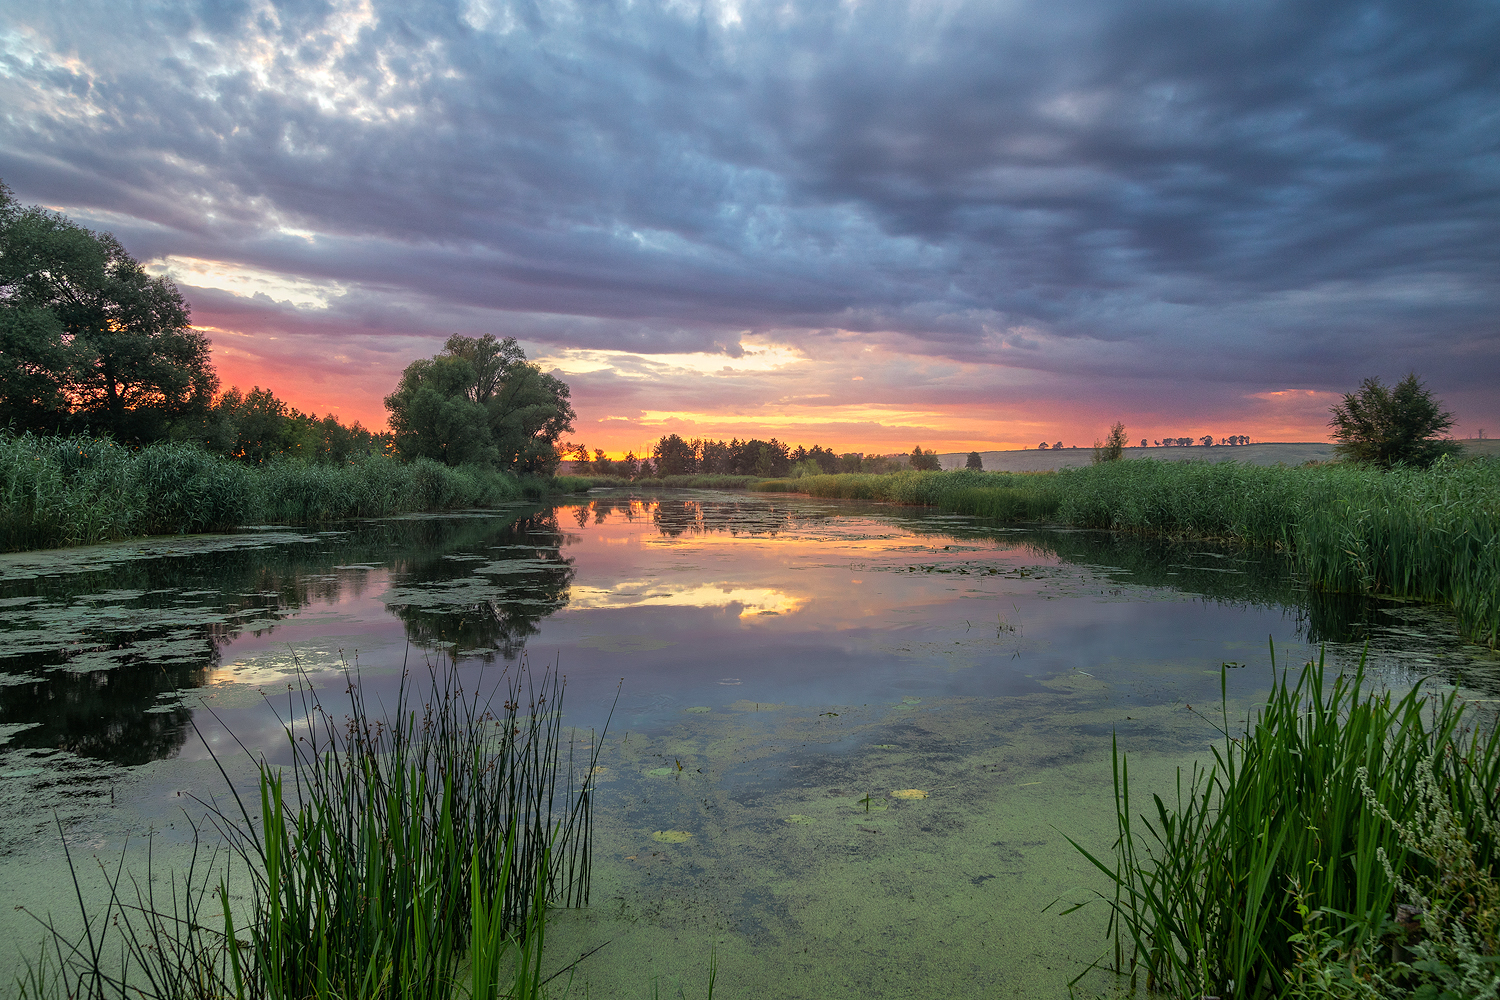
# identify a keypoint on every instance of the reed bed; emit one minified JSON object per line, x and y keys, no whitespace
{"x":412,"y":855}
{"x":57,"y":491}
{"x":1430,"y":535}
{"x":1277,"y":869}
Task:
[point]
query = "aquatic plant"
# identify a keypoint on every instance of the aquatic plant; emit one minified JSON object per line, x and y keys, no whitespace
{"x":1292,"y":848}
{"x":395,"y":855}
{"x":1430,"y":535}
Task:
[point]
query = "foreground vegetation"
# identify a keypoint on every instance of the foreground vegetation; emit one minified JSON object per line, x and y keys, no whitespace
{"x":1429,"y":535}
{"x":1343,"y":845}
{"x":411,"y":855}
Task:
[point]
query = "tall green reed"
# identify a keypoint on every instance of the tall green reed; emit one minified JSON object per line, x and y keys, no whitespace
{"x":1430,"y":535}
{"x":397,"y":856}
{"x":77,"y":490}
{"x":1304,"y":804}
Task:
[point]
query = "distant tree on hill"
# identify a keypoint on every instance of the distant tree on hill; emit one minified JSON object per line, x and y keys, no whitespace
{"x":1388,"y":426}
{"x":1043,"y":446}
{"x":924,"y":461}
{"x":974,"y":462}
{"x":1057,"y":446}
{"x":1113,"y":447}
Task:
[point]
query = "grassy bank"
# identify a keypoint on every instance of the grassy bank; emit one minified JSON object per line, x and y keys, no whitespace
{"x":57,"y":491}
{"x":1343,"y":844}
{"x":410,"y":855}
{"x":1431,"y":535}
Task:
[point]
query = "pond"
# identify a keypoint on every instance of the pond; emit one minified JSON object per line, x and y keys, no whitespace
{"x":850,"y":744}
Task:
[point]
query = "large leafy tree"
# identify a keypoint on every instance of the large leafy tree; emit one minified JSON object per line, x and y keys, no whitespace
{"x":117,"y":349}
{"x":1390,"y":425}
{"x":480,"y":400}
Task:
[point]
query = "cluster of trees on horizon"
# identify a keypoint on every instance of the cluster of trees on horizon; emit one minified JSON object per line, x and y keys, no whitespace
{"x":673,"y":455}
{"x":90,"y":343}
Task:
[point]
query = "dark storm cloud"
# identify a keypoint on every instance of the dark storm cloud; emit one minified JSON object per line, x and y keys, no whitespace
{"x":1263,"y":193}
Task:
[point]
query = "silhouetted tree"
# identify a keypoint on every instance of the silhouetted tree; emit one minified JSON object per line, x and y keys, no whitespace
{"x":85,"y":330}
{"x":974,"y":461}
{"x":1387,"y":426}
{"x":924,"y":461}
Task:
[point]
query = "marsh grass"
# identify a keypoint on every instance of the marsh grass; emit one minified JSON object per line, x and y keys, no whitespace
{"x":408,"y":855}
{"x":57,"y":491}
{"x":1302,"y":816}
{"x":1423,"y":534}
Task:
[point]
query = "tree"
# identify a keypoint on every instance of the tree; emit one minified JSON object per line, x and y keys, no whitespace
{"x":34,"y":367}
{"x":1390,"y":426}
{"x":480,"y":400}
{"x":1113,"y":448}
{"x":974,"y":462}
{"x":674,"y":456}
{"x":124,"y":354}
{"x":924,"y":460}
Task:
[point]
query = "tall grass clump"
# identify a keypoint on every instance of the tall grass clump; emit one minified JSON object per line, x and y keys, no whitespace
{"x":1425,"y":534}
{"x":1292,"y":864}
{"x":78,"y":490}
{"x":1010,"y":496}
{"x":411,"y":855}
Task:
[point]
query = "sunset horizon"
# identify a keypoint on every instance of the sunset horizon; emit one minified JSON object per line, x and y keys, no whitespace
{"x":867,"y":228}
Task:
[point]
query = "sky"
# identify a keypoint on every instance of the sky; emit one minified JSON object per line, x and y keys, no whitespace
{"x":867,"y":225}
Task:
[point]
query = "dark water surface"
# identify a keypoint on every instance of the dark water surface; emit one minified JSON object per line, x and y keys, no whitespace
{"x":849,"y":741}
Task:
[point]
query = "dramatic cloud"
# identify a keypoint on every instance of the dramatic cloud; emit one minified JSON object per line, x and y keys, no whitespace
{"x":868,"y":224}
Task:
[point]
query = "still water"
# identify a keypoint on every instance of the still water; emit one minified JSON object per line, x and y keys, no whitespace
{"x":850,"y":741}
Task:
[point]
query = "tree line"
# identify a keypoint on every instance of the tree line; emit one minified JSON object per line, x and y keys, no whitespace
{"x":91,"y":343}
{"x":674,"y":455}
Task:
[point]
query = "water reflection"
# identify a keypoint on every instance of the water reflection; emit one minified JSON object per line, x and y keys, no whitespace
{"x":100,"y":647}
{"x":484,"y":602}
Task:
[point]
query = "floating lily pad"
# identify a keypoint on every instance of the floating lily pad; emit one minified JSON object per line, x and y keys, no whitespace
{"x":800,"y":819}
{"x":672,"y":836}
{"x":662,"y":772}
{"x":909,"y":700}
{"x":699,"y":710}
{"x":908,"y":793}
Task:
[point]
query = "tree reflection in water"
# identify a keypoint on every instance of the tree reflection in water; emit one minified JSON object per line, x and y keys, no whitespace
{"x":101,"y":662}
{"x":472,"y":606}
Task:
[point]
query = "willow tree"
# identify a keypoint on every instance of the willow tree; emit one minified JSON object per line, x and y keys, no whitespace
{"x":480,"y":400}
